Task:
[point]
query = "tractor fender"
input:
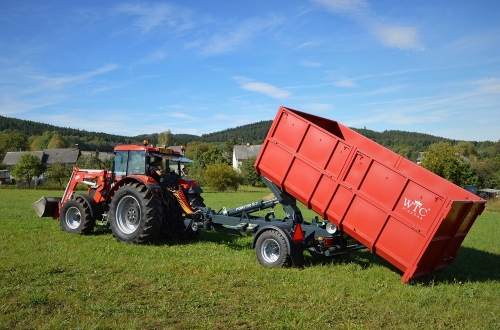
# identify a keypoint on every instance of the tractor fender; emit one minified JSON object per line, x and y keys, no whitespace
{"x":143,"y":179}
{"x":296,"y":249}
{"x":95,"y":209}
{"x":190,"y":186}
{"x":283,"y":228}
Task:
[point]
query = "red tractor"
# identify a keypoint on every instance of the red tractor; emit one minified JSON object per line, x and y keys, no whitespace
{"x":137,"y":203}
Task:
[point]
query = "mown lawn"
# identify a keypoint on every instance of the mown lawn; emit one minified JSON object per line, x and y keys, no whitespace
{"x":50,"y":279}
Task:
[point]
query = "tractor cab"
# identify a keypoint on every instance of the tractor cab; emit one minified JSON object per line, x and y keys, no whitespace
{"x":138,"y":160}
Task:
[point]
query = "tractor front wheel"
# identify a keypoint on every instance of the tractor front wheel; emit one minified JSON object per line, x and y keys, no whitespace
{"x":135,"y":214}
{"x":271,"y":249}
{"x":75,"y":217}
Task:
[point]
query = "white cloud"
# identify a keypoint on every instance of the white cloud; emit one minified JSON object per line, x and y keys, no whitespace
{"x":350,"y":7}
{"x":263,"y":88}
{"x":40,"y":90}
{"x":397,"y":36}
{"x":266,"y":89}
{"x":61,"y":82}
{"x":474,"y":42}
{"x":181,"y":115}
{"x":11,"y":106}
{"x":345,"y":82}
{"x":401,"y":37}
{"x":151,"y":16}
{"x":234,"y":36}
{"x":489,"y":86}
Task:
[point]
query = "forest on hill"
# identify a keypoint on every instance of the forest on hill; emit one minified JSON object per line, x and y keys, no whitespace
{"x":464,"y":163}
{"x":40,"y":136}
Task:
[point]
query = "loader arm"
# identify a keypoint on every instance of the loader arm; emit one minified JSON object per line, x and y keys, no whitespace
{"x":81,"y":176}
{"x":51,"y":206}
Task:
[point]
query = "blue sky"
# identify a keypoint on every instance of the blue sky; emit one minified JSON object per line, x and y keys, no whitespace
{"x":198,"y":67}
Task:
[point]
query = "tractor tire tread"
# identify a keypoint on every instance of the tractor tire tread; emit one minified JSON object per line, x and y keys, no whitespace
{"x":151,"y":214}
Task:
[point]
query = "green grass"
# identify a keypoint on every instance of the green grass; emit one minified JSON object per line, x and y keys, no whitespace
{"x":50,"y":279}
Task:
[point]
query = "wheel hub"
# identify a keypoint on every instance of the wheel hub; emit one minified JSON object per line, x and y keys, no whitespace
{"x":128,"y":214}
{"x":73,"y":217}
{"x":270,"y":250}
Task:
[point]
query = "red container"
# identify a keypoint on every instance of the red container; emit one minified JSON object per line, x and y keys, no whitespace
{"x":404,"y":213}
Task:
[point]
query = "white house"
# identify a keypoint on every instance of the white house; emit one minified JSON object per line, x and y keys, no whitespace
{"x":242,"y":152}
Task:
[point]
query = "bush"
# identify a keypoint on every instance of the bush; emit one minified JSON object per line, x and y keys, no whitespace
{"x":248,"y":174}
{"x":221,"y":177}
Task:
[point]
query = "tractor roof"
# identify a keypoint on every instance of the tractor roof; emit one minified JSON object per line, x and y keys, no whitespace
{"x":156,"y":150}
{"x":172,"y":154}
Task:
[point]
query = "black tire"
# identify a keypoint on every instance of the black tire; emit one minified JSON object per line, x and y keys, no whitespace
{"x":75,"y":217}
{"x":271,"y":249}
{"x":195,"y":201}
{"x":135,"y":214}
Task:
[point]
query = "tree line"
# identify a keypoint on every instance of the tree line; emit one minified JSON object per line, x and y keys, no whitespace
{"x":464,"y":163}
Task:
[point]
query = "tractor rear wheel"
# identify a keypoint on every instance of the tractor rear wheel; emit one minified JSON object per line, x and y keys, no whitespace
{"x":135,"y":214}
{"x":271,"y":249}
{"x":75,"y":217}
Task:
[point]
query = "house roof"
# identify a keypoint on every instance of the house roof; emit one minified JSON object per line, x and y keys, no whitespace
{"x":103,"y":155}
{"x":65,"y":155}
{"x":242,"y":152}
{"x":12,"y":157}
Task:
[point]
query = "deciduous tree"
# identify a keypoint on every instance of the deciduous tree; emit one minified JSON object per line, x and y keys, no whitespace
{"x":222,"y":177}
{"x":59,"y":173}
{"x":444,"y":160}
{"x":89,"y":162}
{"x":12,"y":140}
{"x":248,"y":174}
{"x":29,"y":167}
{"x":165,"y":138}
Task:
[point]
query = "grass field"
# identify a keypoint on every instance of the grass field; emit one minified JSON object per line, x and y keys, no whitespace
{"x":50,"y":279}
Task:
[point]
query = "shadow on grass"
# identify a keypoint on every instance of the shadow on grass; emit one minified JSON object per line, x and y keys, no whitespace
{"x":470,"y":265}
{"x":180,"y":239}
{"x":234,"y":242}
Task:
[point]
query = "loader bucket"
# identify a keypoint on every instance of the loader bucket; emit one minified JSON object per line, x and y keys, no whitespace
{"x":47,"y":206}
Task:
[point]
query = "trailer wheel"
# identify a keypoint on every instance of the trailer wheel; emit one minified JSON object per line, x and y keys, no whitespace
{"x":135,"y":214}
{"x":75,"y":217}
{"x":271,"y":250}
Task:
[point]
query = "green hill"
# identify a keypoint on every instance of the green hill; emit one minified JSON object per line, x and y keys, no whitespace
{"x":407,"y":144}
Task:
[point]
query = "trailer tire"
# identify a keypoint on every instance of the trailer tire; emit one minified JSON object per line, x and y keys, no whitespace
{"x":75,"y":217}
{"x":135,"y":214}
{"x":271,"y":249}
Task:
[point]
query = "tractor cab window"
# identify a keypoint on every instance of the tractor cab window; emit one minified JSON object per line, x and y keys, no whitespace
{"x":174,"y":168}
{"x":136,"y":162}
{"x":120,"y":167}
{"x":129,"y":162}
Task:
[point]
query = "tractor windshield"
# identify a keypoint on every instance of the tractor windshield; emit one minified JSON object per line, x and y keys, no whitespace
{"x":129,"y":162}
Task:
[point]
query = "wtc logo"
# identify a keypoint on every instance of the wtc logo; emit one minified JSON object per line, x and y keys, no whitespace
{"x":415,"y":208}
